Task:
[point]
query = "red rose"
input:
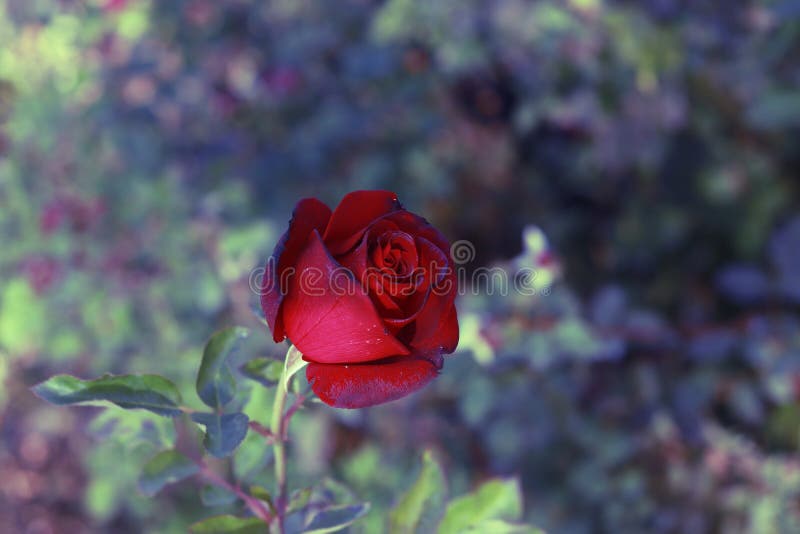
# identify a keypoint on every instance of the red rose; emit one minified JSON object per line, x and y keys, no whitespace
{"x":367,"y":294}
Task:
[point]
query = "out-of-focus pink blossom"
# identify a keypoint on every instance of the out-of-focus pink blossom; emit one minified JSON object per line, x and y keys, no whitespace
{"x":78,"y":214}
{"x":41,"y":272}
{"x":114,"y":6}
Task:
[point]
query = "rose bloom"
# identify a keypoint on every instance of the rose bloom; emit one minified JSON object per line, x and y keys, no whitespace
{"x":367,"y":294}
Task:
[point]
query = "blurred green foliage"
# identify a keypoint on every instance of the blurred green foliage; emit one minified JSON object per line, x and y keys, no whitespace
{"x":151,"y":153}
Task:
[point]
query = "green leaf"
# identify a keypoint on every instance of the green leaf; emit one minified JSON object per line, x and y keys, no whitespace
{"x":332,"y":491}
{"x":262,"y":495}
{"x":165,"y":468}
{"x":498,"y":526}
{"x":294,"y":363}
{"x":216,"y":384}
{"x":423,"y":505}
{"x":216,"y":496}
{"x":130,"y":429}
{"x":265,"y":371}
{"x":22,"y":317}
{"x":229,"y":524}
{"x":335,"y":518}
{"x":148,"y":392}
{"x":495,"y":499}
{"x":298,"y":500}
{"x":224,"y":432}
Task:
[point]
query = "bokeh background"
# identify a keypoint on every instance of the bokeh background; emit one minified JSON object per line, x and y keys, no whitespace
{"x":641,"y":156}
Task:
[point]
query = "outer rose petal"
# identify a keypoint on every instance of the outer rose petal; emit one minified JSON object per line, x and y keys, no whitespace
{"x":445,"y":339}
{"x":328,"y":317}
{"x":358,"y":386}
{"x":354,"y":214}
{"x":429,"y":319}
{"x":310,"y":214}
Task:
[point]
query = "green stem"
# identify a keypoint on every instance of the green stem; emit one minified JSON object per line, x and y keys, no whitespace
{"x":279,"y":447}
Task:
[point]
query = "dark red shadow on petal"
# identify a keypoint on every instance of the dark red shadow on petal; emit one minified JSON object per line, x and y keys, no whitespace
{"x":444,"y":339}
{"x":353,"y":215}
{"x":309,"y":214}
{"x":362,"y":385}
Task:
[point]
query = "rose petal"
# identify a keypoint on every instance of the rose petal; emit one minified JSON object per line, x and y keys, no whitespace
{"x":369,"y":276}
{"x":434,"y":294}
{"x":309,"y":214}
{"x":420,"y":227}
{"x":329,"y":317}
{"x":362,"y":385}
{"x":444,"y":339}
{"x":434,"y":261}
{"x":382,"y":298}
{"x":396,"y":250}
{"x":439,"y":302}
{"x":353,"y":215}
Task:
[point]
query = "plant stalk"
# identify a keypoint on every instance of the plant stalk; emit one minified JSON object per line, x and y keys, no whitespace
{"x":279,"y":447}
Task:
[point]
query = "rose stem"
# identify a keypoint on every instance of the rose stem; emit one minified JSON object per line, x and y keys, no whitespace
{"x":277,"y":428}
{"x":188,"y":448}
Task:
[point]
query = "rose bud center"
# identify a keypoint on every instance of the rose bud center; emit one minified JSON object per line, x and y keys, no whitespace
{"x":395,"y":253}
